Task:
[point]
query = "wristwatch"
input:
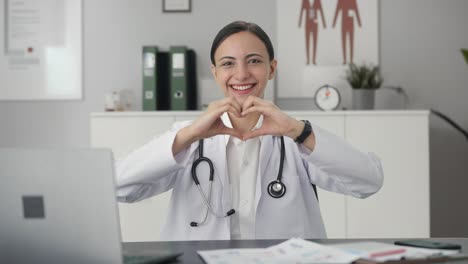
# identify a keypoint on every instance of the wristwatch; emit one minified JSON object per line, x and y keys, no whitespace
{"x":305,"y":133}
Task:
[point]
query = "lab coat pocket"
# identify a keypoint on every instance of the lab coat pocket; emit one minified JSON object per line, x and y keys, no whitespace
{"x":280,"y":218}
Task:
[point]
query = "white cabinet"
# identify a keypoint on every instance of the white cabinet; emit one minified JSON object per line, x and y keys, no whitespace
{"x":399,"y":138}
{"x":401,"y":207}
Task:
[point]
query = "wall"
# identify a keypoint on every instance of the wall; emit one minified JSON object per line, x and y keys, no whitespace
{"x":114,"y":31}
{"x":420,"y":42}
{"x":420,"y":51}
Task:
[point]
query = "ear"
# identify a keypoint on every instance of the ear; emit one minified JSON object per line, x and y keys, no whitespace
{"x":273,"y":65}
{"x":213,"y":70}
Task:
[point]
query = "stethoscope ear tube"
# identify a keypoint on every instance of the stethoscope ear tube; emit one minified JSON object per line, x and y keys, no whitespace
{"x":200,"y":159}
{"x":194,"y":169}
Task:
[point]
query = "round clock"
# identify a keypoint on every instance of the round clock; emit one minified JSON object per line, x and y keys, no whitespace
{"x":327,"y":98}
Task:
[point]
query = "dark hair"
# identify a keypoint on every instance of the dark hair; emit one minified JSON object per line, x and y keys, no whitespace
{"x":241,"y":26}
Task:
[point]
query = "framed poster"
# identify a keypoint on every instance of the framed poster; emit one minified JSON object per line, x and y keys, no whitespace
{"x":177,"y":5}
{"x":41,"y":50}
{"x":317,"y":39}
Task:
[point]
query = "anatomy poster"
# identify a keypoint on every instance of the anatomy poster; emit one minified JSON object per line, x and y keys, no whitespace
{"x":317,"y":39}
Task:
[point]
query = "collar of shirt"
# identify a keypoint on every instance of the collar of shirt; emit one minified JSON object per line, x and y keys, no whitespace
{"x":227,"y":122}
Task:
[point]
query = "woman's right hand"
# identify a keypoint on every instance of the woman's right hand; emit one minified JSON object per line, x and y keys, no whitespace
{"x":209,"y":124}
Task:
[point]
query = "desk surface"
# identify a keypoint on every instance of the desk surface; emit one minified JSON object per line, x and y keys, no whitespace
{"x":189,"y":248}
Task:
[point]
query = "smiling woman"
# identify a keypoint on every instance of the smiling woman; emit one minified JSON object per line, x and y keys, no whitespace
{"x":252,"y":153}
{"x":243,"y":68}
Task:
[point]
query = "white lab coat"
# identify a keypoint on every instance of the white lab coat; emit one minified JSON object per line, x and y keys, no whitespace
{"x":333,"y":165}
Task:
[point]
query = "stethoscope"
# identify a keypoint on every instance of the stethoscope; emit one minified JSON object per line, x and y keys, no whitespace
{"x":276,"y":189}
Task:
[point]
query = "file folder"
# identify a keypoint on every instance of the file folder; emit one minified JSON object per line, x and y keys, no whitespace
{"x":183,"y":91}
{"x":155,"y":79}
{"x":149,"y":77}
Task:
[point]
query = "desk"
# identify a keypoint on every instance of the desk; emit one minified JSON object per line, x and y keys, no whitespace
{"x":189,"y":248}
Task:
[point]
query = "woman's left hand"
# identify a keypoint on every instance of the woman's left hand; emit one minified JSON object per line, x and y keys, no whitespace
{"x":275,"y":122}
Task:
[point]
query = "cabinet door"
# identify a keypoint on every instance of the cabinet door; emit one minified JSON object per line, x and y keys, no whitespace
{"x":401,"y":207}
{"x":123,"y":134}
{"x":140,"y":221}
{"x":332,"y":205}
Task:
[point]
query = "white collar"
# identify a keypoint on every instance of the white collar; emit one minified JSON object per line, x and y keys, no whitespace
{"x":227,"y":122}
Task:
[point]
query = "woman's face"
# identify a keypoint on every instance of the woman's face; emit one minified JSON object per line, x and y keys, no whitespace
{"x":243,"y":66}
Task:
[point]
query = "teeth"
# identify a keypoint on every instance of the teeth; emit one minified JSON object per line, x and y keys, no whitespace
{"x":241,"y":87}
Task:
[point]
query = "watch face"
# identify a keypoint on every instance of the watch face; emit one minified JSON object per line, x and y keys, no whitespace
{"x":327,"y":98}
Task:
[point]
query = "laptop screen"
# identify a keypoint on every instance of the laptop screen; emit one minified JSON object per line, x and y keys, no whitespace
{"x":58,"y":206}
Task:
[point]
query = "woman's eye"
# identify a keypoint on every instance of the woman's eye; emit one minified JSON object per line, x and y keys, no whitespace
{"x":254,"y":61}
{"x":227,"y":63}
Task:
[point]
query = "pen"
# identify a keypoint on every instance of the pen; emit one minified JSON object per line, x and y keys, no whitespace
{"x":386,"y":253}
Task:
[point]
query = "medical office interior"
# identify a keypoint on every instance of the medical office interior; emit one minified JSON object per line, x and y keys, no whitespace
{"x":418,"y":49}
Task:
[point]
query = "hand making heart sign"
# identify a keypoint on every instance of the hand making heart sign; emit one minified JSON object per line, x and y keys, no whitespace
{"x":243,"y":118}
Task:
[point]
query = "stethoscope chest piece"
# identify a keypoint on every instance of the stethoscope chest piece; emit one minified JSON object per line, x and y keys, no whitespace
{"x":276,"y":189}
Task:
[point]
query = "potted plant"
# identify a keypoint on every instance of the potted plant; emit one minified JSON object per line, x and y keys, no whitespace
{"x":364,"y":79}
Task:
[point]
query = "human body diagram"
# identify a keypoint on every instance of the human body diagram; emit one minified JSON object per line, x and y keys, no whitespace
{"x":347,"y":8}
{"x":311,"y":26}
{"x":349,"y":11}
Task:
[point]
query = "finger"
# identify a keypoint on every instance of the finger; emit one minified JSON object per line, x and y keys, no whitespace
{"x":251,"y":101}
{"x":256,"y":101}
{"x":231,"y":101}
{"x":234,"y":107}
{"x":235,"y":104}
{"x":223,"y":102}
{"x":254,"y":134}
{"x":231,"y":132}
{"x":264,"y":110}
{"x":218,"y":111}
{"x":233,"y":111}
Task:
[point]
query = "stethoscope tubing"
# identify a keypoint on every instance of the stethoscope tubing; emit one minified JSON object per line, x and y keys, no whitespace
{"x":276,"y":189}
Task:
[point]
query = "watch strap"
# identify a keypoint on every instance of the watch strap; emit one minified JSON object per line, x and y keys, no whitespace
{"x":305,"y":132}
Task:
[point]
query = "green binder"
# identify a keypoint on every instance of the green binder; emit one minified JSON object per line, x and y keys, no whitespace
{"x":178,"y":71}
{"x":150,"y":78}
{"x":183,"y":79}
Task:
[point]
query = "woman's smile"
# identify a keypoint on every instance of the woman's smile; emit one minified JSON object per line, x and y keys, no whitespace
{"x":242,"y":89}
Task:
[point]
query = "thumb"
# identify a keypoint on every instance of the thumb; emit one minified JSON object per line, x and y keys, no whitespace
{"x":253,"y":134}
{"x":231,"y":132}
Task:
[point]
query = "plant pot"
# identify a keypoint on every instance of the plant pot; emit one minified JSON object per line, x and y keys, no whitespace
{"x":363,"y":99}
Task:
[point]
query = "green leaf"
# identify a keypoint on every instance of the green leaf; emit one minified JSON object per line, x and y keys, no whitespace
{"x":364,"y":76}
{"x":465,"y":54}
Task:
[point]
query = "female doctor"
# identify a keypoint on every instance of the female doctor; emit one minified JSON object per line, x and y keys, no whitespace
{"x":244,"y":169}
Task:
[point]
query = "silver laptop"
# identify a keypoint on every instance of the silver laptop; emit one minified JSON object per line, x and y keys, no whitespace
{"x":59,"y":206}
